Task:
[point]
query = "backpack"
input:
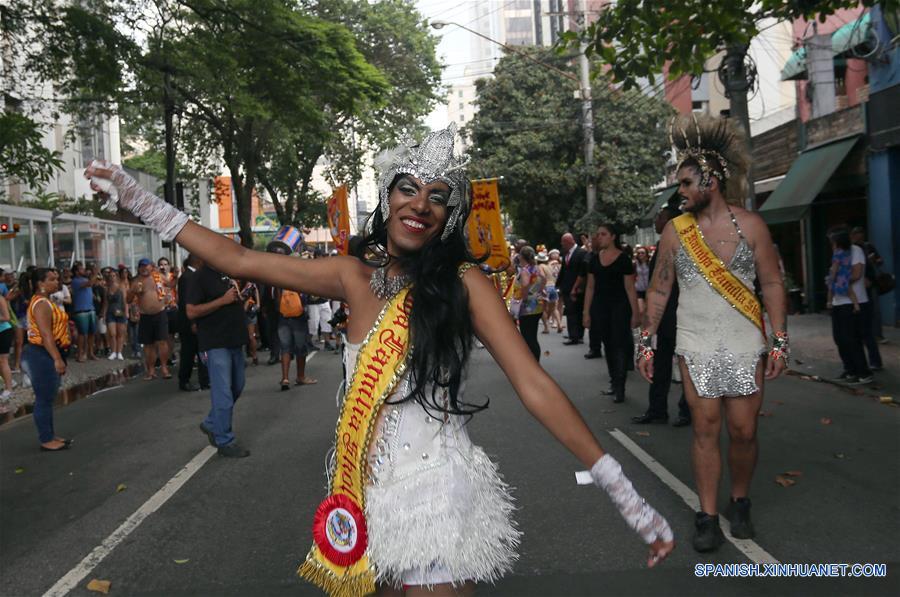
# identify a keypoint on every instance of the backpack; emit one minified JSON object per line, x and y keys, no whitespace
{"x":290,"y":304}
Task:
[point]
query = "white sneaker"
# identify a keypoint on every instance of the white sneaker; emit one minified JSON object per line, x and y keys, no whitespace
{"x":119,"y":356}
{"x":111,"y":357}
{"x":5,"y":395}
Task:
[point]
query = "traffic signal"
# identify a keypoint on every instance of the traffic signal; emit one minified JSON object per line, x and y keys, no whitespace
{"x":7,"y":232}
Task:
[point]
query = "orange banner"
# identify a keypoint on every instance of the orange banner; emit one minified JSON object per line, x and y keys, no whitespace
{"x":485,"y":227}
{"x":339,"y":219}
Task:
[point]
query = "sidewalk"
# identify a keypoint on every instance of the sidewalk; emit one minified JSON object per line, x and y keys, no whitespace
{"x":814,"y":355}
{"x":80,"y":380}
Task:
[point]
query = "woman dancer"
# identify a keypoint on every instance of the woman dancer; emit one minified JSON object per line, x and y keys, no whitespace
{"x":401,"y":437}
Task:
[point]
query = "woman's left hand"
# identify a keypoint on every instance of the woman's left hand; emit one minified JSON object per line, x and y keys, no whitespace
{"x":659,"y":550}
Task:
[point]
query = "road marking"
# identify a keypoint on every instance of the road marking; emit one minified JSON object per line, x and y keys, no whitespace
{"x":748,"y":547}
{"x":74,"y":576}
{"x":77,"y":574}
{"x":106,"y":390}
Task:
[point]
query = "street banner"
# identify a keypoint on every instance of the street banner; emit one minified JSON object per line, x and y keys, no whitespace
{"x":485,"y":228}
{"x":339,"y":219}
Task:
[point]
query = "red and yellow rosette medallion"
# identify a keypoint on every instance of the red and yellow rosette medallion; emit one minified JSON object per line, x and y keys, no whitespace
{"x":716,"y":273}
{"x":337,"y":561}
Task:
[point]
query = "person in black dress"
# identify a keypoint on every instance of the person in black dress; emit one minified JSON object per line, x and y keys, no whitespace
{"x":611,"y":303}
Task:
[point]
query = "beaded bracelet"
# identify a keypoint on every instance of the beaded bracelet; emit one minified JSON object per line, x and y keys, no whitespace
{"x":780,"y":346}
{"x":644,"y":347}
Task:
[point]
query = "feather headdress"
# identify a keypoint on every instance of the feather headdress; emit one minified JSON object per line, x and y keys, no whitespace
{"x":718,"y":147}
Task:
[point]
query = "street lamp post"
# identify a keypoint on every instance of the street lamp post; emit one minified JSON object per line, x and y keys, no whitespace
{"x":583,"y":93}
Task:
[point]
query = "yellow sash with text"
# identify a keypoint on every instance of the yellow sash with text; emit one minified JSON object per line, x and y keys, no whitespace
{"x":720,"y":278}
{"x":337,"y":562}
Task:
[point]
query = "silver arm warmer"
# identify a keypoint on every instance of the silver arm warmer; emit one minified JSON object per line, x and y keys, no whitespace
{"x":640,"y":516}
{"x":153,"y":211}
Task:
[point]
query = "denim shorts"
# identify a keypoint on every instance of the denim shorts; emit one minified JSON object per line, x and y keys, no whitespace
{"x":552,"y":294}
{"x":292,"y":332}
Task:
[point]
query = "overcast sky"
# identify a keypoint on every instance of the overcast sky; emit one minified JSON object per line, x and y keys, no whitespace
{"x":454,"y":51}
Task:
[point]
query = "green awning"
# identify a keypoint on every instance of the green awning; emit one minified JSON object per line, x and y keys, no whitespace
{"x":795,"y":67}
{"x":852,"y":35}
{"x":806,"y":178}
{"x":662,"y":197}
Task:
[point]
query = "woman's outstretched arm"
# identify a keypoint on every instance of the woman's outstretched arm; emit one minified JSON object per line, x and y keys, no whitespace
{"x":546,"y":401}
{"x":322,"y":277}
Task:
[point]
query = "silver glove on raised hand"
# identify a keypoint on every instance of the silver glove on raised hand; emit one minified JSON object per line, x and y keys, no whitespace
{"x":153,"y":211}
{"x":640,"y":516}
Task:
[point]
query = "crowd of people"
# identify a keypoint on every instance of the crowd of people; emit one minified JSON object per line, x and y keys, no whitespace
{"x":418,"y":302}
{"x":598,"y":286}
{"x":110,"y":313}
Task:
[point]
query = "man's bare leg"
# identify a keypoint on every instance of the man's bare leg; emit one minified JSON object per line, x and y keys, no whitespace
{"x":742,"y":416}
{"x":149,"y":361}
{"x":706,"y":414}
{"x":163,"y":349}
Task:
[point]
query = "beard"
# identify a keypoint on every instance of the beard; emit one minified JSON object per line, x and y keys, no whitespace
{"x":702,"y":202}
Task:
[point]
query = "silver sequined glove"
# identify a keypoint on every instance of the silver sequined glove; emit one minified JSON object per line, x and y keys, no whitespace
{"x":640,"y":516}
{"x":153,"y":211}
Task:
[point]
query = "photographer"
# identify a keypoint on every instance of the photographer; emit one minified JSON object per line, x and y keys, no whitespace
{"x":214,"y":303}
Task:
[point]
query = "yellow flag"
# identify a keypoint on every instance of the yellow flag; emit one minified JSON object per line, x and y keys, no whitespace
{"x":485,"y":228}
{"x":339,"y":219}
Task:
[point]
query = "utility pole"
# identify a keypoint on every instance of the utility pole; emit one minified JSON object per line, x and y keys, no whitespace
{"x":587,"y":114}
{"x":737,"y":80}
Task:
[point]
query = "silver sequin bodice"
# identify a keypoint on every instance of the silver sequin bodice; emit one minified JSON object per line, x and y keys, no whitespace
{"x":720,"y":346}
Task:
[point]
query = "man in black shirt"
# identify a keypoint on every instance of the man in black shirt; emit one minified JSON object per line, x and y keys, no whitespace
{"x":214,"y":303}
{"x":187,"y":330}
{"x":658,"y":409}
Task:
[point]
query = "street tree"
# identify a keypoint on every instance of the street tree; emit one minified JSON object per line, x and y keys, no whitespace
{"x":527,"y":129}
{"x":393,"y":37}
{"x":636,"y":40}
{"x":232,"y":73}
{"x":23,"y":157}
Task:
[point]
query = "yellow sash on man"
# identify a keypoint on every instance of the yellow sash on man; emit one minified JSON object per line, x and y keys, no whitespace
{"x":337,"y":562}
{"x":729,"y":286}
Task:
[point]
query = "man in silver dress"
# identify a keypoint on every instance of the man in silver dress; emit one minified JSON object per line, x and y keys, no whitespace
{"x":724,"y":355}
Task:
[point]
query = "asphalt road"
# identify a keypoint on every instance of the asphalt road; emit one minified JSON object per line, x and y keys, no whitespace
{"x":241,"y":527}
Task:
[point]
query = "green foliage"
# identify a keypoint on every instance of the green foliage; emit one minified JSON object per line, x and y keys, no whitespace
{"x":528,"y":130}
{"x":152,"y":162}
{"x":269,"y":87}
{"x":393,"y":38}
{"x":637,"y":38}
{"x":23,"y":156}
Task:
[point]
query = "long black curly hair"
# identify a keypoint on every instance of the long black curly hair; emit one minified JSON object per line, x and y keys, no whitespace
{"x":440,"y":324}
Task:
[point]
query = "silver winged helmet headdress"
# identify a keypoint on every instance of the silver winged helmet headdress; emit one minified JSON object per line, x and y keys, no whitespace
{"x":430,"y":160}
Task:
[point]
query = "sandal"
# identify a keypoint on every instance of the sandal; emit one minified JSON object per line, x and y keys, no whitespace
{"x":285,"y":385}
{"x":307,"y":381}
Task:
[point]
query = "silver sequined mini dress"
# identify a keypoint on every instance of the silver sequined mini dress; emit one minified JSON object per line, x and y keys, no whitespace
{"x":720,"y":346}
{"x":437,"y":508}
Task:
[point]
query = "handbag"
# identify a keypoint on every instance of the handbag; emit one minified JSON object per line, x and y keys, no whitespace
{"x":884,"y":282}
